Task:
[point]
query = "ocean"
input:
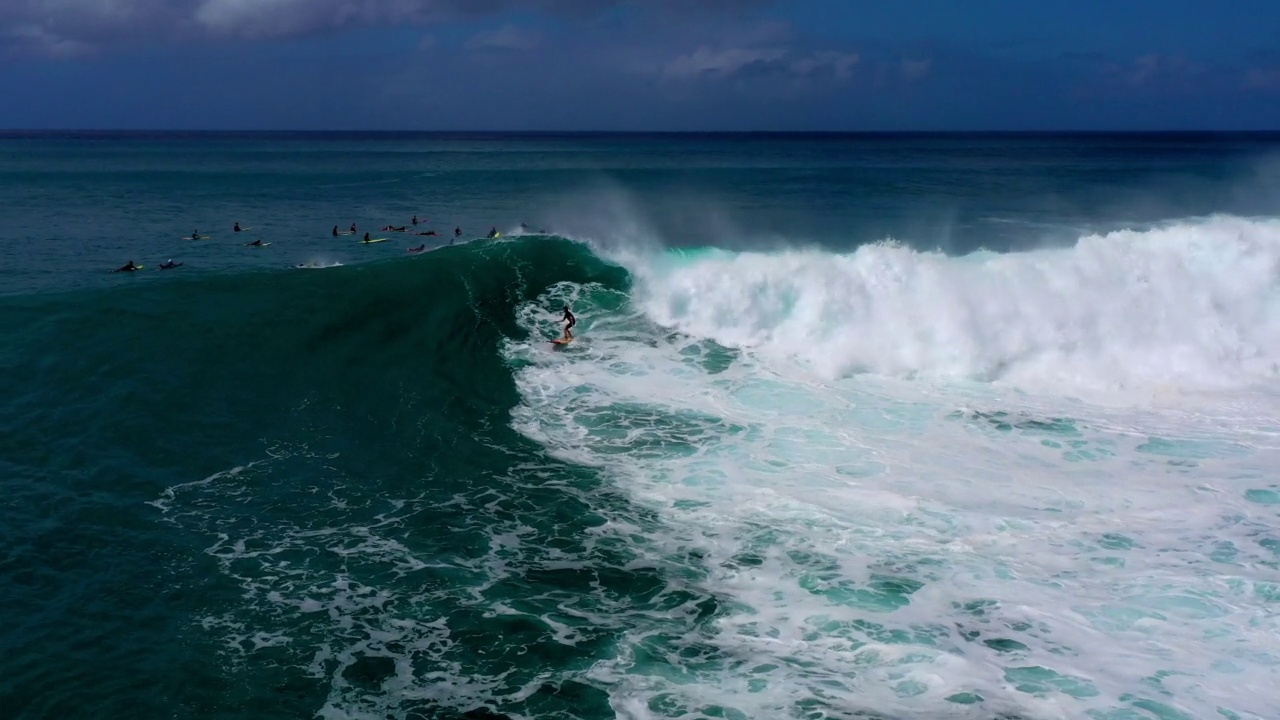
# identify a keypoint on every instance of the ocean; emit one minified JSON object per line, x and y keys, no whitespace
{"x":876,"y":426}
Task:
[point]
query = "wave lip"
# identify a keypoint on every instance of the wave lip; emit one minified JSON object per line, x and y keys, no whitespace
{"x":1191,"y":305}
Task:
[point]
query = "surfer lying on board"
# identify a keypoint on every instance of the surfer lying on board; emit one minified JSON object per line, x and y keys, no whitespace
{"x":568,"y":334}
{"x":169,"y":265}
{"x":256,"y":243}
{"x":128,"y":267}
{"x":429,"y":232}
{"x":418,"y":249}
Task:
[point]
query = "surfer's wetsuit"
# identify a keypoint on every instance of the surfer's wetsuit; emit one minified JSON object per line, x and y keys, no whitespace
{"x":572,"y":321}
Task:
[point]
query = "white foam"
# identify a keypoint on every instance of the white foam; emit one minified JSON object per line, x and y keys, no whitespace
{"x":1066,"y":557}
{"x":1190,"y":306}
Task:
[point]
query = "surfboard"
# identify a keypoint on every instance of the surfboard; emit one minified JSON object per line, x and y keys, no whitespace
{"x":202,"y":237}
{"x":370,"y":242}
{"x":561,"y":341}
{"x":249,"y":244}
{"x":243,"y":229}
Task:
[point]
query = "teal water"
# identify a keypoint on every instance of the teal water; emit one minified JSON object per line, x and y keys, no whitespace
{"x":783,"y":472}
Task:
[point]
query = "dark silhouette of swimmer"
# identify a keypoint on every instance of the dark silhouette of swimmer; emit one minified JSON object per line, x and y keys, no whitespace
{"x":457,"y":232}
{"x":415,"y":219}
{"x":366,"y":237}
{"x":169,"y":265}
{"x":195,"y":235}
{"x":127,"y":267}
{"x":335,"y":231}
{"x":418,"y":249}
{"x":568,"y":334}
{"x":236,"y":228}
{"x":255,"y":243}
{"x":493,"y":232}
{"x":427,"y":233}
{"x":353,"y":228}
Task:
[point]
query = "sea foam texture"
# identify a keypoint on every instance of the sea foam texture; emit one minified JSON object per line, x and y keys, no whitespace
{"x":1192,"y":305}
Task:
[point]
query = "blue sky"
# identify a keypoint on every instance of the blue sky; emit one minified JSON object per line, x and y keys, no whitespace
{"x":639,"y":65}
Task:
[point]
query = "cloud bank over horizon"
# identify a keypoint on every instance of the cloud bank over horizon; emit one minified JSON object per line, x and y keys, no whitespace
{"x":635,"y":64}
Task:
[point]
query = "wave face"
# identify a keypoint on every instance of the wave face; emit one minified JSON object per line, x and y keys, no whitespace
{"x":874,"y":484}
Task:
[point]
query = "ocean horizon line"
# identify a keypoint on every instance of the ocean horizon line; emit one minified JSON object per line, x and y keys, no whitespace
{"x":142,"y":133}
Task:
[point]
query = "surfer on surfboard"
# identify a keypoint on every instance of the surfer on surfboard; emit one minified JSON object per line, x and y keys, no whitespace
{"x":571,"y":320}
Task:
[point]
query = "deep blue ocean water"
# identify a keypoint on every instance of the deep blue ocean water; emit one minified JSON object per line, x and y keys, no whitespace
{"x":876,"y":426}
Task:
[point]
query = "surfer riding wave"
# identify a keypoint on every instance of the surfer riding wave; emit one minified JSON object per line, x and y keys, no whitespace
{"x":571,"y":320}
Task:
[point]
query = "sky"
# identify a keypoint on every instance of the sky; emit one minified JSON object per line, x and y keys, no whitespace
{"x":640,"y":65}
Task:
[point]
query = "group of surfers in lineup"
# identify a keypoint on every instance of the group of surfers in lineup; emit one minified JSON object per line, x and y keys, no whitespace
{"x":457,"y":233}
{"x":568,"y":318}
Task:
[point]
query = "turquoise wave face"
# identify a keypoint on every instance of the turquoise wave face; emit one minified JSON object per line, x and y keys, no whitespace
{"x":263,"y":493}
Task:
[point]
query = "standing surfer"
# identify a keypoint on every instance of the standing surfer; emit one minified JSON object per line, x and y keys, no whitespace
{"x":568,"y":316}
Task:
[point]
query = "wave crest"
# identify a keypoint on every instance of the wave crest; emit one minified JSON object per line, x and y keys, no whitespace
{"x":1188,"y":305}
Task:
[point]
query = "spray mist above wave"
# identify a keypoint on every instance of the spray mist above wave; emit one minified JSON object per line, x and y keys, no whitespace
{"x":1189,"y":305}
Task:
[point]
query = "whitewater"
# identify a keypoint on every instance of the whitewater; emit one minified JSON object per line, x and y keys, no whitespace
{"x":1033,"y":484}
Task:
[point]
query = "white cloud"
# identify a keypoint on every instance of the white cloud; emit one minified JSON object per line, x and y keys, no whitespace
{"x":740,"y":62}
{"x":838,"y":64}
{"x":287,"y":18}
{"x":507,"y":37}
{"x":36,"y":39}
{"x":729,"y":61}
{"x":61,"y":24}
